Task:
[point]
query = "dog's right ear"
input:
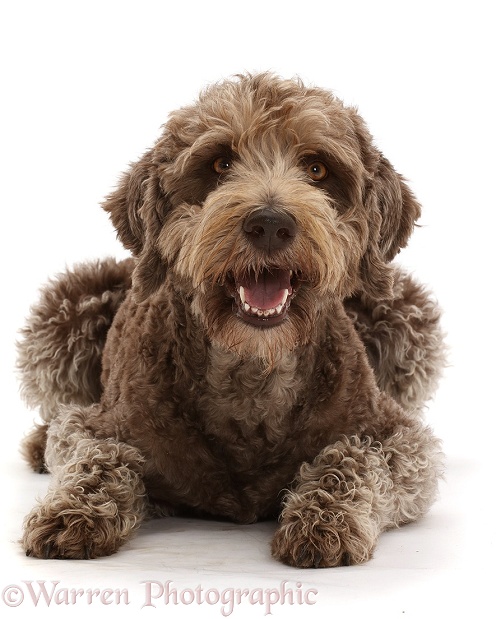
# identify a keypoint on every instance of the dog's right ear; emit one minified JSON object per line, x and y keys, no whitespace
{"x":137,"y":209}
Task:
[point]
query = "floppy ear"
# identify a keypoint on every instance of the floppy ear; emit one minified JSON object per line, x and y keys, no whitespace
{"x":392,"y":210}
{"x":137,"y":209}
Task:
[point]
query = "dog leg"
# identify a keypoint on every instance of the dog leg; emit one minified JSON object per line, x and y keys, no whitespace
{"x":96,"y":499}
{"x":404,"y":340}
{"x":353,"y":490}
{"x":59,"y":356}
{"x":33,"y":448}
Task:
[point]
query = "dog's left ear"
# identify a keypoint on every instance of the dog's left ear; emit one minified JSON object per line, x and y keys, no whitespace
{"x":137,"y":209}
{"x":392,"y":210}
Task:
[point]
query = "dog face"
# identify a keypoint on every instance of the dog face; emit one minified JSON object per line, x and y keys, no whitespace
{"x":267,"y":202}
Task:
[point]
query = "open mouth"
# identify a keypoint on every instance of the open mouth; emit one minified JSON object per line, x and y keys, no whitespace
{"x":263,"y":298}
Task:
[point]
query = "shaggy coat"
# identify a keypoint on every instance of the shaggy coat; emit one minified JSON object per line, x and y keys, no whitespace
{"x":258,"y":357}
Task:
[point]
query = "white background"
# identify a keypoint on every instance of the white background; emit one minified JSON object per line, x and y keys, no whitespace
{"x":85,"y":87}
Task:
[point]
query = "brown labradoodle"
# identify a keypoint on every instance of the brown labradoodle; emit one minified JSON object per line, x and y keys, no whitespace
{"x":258,"y":357}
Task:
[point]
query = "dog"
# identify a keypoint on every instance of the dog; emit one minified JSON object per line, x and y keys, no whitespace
{"x":257,"y":357}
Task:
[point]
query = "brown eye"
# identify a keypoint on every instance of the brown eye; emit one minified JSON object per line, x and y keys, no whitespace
{"x":317,"y":171}
{"x":222,"y":165}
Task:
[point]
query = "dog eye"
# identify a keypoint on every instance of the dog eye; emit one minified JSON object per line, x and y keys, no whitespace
{"x":221,"y":165}
{"x":317,"y":171}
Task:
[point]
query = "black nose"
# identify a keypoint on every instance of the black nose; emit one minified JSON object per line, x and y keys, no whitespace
{"x":270,"y":229}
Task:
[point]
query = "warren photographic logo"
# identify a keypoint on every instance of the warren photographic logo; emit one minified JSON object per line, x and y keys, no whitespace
{"x":156,"y":594}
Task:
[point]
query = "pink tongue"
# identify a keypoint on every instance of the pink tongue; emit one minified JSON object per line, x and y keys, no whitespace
{"x":267,"y":291}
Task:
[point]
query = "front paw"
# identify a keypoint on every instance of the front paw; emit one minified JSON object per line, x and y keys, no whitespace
{"x":316,"y":535}
{"x":66,"y":528}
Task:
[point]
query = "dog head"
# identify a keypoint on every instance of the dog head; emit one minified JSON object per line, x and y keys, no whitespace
{"x":266,"y":200}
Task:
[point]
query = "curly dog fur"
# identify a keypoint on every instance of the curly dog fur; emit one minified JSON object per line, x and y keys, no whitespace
{"x":258,"y":357}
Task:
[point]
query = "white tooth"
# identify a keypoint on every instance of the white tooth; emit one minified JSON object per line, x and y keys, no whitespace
{"x":242,"y":294}
{"x":253,"y":310}
{"x":272,"y":311}
{"x":279,"y":309}
{"x":260,"y":313}
{"x":266,"y":312}
{"x":291,"y":274}
{"x":247,"y":307}
{"x":285,"y":297}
